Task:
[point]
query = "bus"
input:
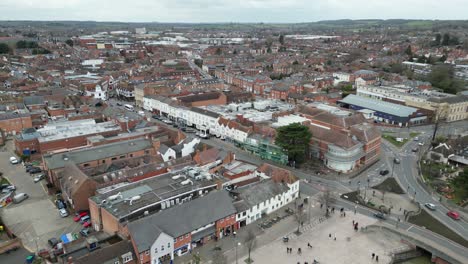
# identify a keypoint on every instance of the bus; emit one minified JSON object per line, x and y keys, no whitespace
{"x":129,"y":107}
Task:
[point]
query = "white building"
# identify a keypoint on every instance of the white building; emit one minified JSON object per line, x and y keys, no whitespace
{"x":342,"y":77}
{"x":98,"y":93}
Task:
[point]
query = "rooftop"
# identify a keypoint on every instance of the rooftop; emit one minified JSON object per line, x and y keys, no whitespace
{"x":132,"y":198}
{"x":58,"y":160}
{"x":378,"y":105}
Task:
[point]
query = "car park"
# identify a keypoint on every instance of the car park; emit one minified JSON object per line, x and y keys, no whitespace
{"x":39,"y":178}
{"x":430,"y":206}
{"x":454,"y":215}
{"x":63,"y":212}
{"x":384,"y":172}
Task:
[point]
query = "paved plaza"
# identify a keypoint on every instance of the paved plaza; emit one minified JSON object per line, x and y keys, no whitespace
{"x":349,"y":247}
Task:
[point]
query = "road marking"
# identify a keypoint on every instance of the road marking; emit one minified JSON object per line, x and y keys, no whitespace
{"x":409,"y":228}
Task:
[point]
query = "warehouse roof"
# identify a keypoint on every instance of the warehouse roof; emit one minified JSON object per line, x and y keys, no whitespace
{"x":379,"y":106}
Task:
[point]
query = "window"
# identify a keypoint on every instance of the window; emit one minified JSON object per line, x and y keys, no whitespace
{"x":162,"y":248}
{"x":147,"y":252}
{"x":238,"y":215}
{"x":187,"y":235}
{"x":127,"y":259}
{"x":155,"y":250}
{"x":114,"y":158}
{"x":131,"y":155}
{"x":146,"y":151}
{"x":122,"y":157}
{"x":169,"y":245}
{"x":103,"y":161}
{"x":86,"y":165}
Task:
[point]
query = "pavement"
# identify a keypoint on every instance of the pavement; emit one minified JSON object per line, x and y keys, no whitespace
{"x":350,"y":246}
{"x":15,"y":257}
{"x":36,"y":219}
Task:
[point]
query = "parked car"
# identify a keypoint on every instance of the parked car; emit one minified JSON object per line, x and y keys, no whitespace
{"x":119,"y":104}
{"x":416,"y":138}
{"x":18,"y":198}
{"x":78,"y":216}
{"x":415,"y":149}
{"x":63,"y":212}
{"x":30,"y":167}
{"x":384,"y":172}
{"x":14,"y":160}
{"x":379,"y":215}
{"x":35,"y":170}
{"x":454,"y":215}
{"x":84,"y":219}
{"x":85,"y":231}
{"x":157,"y":117}
{"x":87,"y":224}
{"x":39,"y":178}
{"x":8,"y":189}
{"x":430,"y":206}
{"x":142,"y":113}
{"x":53,"y":242}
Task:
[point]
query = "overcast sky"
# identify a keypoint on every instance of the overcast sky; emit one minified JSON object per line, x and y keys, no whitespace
{"x":230,"y":10}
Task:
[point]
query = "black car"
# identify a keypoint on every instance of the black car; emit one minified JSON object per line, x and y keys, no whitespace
{"x":156,"y":117}
{"x":53,"y":242}
{"x":35,"y":170}
{"x":380,"y":216}
{"x":384,"y":172}
{"x":30,"y":167}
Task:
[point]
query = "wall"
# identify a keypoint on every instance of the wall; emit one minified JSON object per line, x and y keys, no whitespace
{"x":15,"y":125}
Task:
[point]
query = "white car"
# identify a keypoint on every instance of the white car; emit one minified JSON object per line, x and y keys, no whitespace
{"x":421,"y":144}
{"x":430,"y":206}
{"x":38,"y":178}
{"x":63,"y":212}
{"x":14,"y":160}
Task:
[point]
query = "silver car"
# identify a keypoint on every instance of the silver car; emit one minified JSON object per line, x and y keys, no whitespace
{"x":430,"y":206}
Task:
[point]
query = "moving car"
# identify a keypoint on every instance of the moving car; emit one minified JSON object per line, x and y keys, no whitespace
{"x":18,"y":198}
{"x":421,"y":143}
{"x":454,"y":215}
{"x":396,"y":160}
{"x":63,"y":212}
{"x":14,"y":160}
{"x":384,"y":172}
{"x":430,"y":206}
{"x":415,"y":149}
{"x":416,"y":138}
{"x":38,"y":178}
{"x":379,"y":215}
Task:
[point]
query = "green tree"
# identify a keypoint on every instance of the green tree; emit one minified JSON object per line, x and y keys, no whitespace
{"x":445,"y":40}
{"x":438,"y":38}
{"x":294,"y":139}
{"x":442,"y":76}
{"x":409,"y":51}
{"x":268,"y":50}
{"x":454,"y":41}
{"x":4,"y":48}
{"x":69,"y":42}
{"x":281,"y":39}
{"x":461,"y":184}
{"x":23,"y":44}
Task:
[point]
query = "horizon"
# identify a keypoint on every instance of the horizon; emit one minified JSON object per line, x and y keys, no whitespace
{"x":222,"y":11}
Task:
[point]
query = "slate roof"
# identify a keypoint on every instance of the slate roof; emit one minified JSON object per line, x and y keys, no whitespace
{"x":109,"y":254}
{"x":204,"y":112}
{"x":58,"y":160}
{"x":259,"y":192}
{"x":450,"y":100}
{"x":181,"y":219}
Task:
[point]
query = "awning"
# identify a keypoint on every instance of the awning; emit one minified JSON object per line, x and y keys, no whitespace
{"x":203,"y":233}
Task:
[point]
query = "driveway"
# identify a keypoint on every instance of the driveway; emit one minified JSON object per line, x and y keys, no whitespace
{"x":36,"y":219}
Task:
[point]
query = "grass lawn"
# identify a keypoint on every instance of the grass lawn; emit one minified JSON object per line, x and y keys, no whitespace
{"x":414,"y":134}
{"x":4,"y":181}
{"x":389,"y":185}
{"x":426,"y":220}
{"x":393,"y":140}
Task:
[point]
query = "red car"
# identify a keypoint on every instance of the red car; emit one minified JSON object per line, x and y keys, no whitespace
{"x":79,"y":215}
{"x":453,"y":215}
{"x":87,"y":224}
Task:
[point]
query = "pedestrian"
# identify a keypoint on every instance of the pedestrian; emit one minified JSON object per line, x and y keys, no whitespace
{"x":353,"y":222}
{"x":299,"y":251}
{"x":344,"y":214}
{"x":329,"y":235}
{"x":334,"y":238}
{"x":309,"y":245}
{"x":287,"y":250}
{"x":377,"y":258}
{"x":302,"y":224}
{"x":373,"y":255}
{"x":321,"y":205}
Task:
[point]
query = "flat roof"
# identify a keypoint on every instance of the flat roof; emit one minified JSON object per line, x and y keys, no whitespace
{"x":150,"y":192}
{"x":69,"y":129}
{"x":379,"y":106}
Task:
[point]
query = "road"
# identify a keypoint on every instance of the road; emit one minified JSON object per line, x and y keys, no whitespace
{"x":192,"y":65}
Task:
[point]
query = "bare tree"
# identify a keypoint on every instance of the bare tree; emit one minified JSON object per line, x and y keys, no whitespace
{"x":327,"y":199}
{"x":299,"y":216}
{"x":250,"y":242}
{"x":219,"y":257}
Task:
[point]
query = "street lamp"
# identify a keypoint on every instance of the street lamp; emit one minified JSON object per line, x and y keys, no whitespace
{"x":237,"y":244}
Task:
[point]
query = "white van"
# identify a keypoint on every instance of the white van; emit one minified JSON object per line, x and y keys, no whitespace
{"x":18,"y":198}
{"x":129,"y":107}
